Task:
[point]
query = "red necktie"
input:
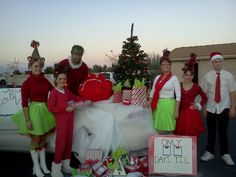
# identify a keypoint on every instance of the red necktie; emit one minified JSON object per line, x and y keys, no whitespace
{"x":217,"y":91}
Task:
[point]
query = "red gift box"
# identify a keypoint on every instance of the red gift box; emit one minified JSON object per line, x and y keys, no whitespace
{"x":99,"y":169}
{"x":108,"y":173}
{"x":117,"y":97}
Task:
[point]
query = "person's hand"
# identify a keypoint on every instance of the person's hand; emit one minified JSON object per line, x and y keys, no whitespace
{"x":29,"y":125}
{"x":69,"y":109}
{"x":204,"y":113}
{"x":176,"y":114}
{"x":232,"y":112}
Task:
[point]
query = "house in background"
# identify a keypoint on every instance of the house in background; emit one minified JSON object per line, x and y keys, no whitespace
{"x":180,"y":55}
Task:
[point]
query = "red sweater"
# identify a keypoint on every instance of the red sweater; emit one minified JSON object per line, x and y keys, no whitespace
{"x":188,"y":97}
{"x":58,"y":102}
{"x":35,"y":88}
{"x":75,"y":76}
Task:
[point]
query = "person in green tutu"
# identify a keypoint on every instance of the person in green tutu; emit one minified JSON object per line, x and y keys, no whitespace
{"x":165,"y":97}
{"x":35,"y":120}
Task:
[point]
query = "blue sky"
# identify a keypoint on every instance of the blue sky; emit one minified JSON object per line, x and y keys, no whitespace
{"x":102,"y":25}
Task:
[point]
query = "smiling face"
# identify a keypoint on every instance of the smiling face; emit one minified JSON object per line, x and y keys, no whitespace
{"x":188,"y":76}
{"x":36,"y":68}
{"x":76,"y":57}
{"x":217,"y":64}
{"x":61,"y":80}
{"x":165,"y":66}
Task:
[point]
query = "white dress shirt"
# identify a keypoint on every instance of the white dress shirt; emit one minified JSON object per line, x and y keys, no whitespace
{"x":227,"y":85}
{"x":171,"y":88}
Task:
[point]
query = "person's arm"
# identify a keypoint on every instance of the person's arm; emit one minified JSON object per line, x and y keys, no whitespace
{"x":232,"y":112}
{"x":204,"y":87}
{"x":25,"y":97}
{"x":152,"y":91}
{"x":203,"y":98}
{"x":232,"y":94}
{"x":178,"y":97}
{"x":53,"y":105}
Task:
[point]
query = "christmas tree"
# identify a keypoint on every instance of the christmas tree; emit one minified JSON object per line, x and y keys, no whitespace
{"x":132,"y":63}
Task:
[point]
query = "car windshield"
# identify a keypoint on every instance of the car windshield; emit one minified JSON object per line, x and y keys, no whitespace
{"x":106,"y":75}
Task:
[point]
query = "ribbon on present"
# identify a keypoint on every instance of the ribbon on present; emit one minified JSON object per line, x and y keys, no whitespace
{"x":116,"y":155}
{"x":127,"y":84}
{"x":139,"y":93}
{"x":117,"y":87}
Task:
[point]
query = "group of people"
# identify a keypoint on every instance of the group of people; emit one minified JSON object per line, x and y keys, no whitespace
{"x":45,"y":108}
{"x":175,"y":110}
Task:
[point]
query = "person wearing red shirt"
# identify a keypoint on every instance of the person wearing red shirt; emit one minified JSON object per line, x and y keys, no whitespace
{"x":60,"y":103}
{"x":77,"y":72}
{"x":189,"y":122}
{"x":75,"y":69}
{"x":35,"y":119}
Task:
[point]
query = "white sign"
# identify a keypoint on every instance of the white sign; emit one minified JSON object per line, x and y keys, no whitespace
{"x":172,"y":155}
{"x":10,"y":101}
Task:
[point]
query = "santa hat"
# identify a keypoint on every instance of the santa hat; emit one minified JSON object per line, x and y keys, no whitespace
{"x":216,"y":56}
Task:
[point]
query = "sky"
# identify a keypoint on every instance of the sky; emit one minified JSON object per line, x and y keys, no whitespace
{"x":102,"y":25}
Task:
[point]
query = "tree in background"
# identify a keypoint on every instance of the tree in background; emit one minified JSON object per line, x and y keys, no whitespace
{"x":153,"y":61}
{"x":49,"y":70}
{"x":132,"y":63}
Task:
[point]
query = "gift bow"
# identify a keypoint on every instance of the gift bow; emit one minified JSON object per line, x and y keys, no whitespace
{"x":117,"y":87}
{"x":138,"y":83}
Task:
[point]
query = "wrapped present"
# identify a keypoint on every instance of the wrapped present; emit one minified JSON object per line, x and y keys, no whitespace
{"x":108,"y":160}
{"x":119,"y":169}
{"x":117,"y":156}
{"x":85,"y":170}
{"x":108,"y":173}
{"x":139,"y":93}
{"x":99,"y":169}
{"x":143,"y":165}
{"x":126,"y":95}
{"x":93,"y":156}
{"x":117,"y":96}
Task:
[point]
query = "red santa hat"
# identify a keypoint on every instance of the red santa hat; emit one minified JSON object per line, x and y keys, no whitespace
{"x":216,"y":56}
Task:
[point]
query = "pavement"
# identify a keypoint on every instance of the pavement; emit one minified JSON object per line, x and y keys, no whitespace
{"x":19,"y":164}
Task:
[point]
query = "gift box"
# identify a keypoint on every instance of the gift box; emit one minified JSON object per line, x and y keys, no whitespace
{"x":126,"y":95}
{"x":139,"y":93}
{"x":117,"y":97}
{"x":143,"y":165}
{"x":93,"y":156}
{"x":108,"y":173}
{"x":85,"y":168}
{"x":99,"y":169}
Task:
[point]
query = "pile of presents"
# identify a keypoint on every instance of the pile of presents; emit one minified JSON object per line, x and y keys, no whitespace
{"x":120,"y":163}
{"x":136,"y":95}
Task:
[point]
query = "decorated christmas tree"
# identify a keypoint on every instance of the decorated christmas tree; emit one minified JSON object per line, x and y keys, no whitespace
{"x":132,"y":63}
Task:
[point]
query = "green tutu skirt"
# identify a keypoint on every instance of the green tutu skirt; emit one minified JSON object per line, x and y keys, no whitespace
{"x":163,"y":116}
{"x":41,"y":119}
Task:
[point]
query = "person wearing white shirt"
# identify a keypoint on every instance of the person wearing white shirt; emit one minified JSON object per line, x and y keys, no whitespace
{"x":220,"y":87}
{"x":165,"y":98}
